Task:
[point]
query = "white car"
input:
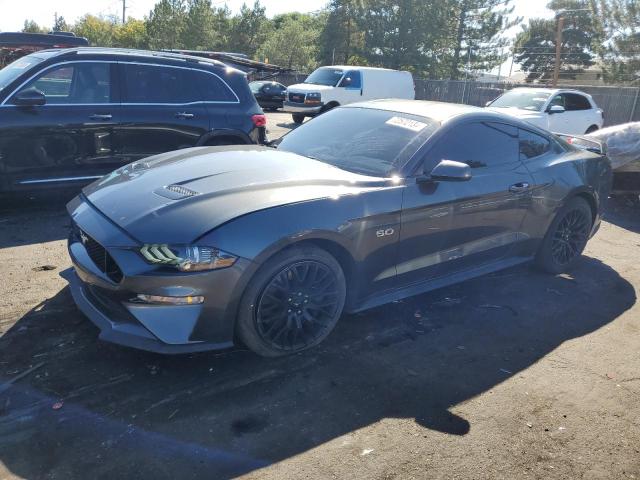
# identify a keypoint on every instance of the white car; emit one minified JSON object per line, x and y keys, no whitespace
{"x":571,"y":112}
{"x":329,"y":87}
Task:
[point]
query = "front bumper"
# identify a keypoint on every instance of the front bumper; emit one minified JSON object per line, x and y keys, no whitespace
{"x":293,"y":107}
{"x":152,"y":327}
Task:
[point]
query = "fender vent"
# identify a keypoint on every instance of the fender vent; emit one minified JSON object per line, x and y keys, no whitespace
{"x":175,"y":192}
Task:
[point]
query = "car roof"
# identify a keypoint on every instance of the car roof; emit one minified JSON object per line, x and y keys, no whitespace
{"x":357,"y":67}
{"x":552,"y":91}
{"x":129,"y":52}
{"x":439,"y":111}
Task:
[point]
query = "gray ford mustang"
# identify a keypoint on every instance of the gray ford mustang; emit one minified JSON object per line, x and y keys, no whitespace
{"x":204,"y":248}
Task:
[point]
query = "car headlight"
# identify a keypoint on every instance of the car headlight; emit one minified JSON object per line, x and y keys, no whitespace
{"x":188,"y":258}
{"x":314,"y":96}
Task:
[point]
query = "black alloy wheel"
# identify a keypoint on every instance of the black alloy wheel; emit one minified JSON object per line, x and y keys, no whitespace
{"x":570,"y":236}
{"x":293,"y":302}
{"x":298,"y":305}
{"x":566,"y":237}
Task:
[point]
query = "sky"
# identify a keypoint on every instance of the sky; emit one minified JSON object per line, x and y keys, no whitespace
{"x":14,"y":13}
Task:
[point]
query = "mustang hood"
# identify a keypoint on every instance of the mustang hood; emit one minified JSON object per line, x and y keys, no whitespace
{"x":178,"y":196}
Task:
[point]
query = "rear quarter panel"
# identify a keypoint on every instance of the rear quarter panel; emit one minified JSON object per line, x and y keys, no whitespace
{"x":559,"y":177}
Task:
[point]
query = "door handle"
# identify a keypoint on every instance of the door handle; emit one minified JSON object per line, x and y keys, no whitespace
{"x":184,"y":115}
{"x":96,"y":116}
{"x":519,"y":187}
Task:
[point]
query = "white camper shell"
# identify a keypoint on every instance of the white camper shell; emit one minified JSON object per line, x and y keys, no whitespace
{"x":329,"y":87}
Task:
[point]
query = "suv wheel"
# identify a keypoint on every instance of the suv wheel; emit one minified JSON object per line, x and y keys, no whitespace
{"x":293,"y":302}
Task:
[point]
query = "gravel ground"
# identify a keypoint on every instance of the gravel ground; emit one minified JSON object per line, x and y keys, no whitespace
{"x":513,"y":375}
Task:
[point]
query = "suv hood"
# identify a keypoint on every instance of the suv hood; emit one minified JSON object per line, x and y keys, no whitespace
{"x":537,"y":118}
{"x":210,"y":186}
{"x":308,"y":87}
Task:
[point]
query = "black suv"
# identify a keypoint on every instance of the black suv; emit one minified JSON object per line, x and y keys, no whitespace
{"x":70,"y":116}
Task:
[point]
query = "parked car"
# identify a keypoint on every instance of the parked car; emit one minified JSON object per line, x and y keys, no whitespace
{"x":330,"y":87}
{"x":70,"y":116}
{"x":571,"y":112}
{"x":269,"y":95}
{"x":198,"y":249}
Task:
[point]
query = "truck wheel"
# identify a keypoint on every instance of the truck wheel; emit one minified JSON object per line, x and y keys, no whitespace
{"x":298,"y":118}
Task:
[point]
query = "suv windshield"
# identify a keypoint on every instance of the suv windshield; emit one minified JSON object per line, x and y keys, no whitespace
{"x":361,"y":140}
{"x":533,"y":101}
{"x":325,"y":76}
{"x":12,"y":71}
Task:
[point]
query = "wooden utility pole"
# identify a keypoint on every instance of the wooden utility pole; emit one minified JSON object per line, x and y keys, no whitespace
{"x":556,"y":68}
{"x":124,"y":10}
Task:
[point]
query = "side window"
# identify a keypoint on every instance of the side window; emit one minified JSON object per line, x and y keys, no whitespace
{"x":211,"y":88}
{"x":157,"y":84}
{"x":77,"y":83}
{"x":557,"y":100}
{"x":532,"y":145}
{"x":352,"y":79}
{"x":477,"y":144}
{"x":575,"y":101}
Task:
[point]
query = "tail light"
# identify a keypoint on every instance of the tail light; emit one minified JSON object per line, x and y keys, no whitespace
{"x":259,"y":120}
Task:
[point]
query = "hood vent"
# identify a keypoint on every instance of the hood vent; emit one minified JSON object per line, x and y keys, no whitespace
{"x":175,"y":192}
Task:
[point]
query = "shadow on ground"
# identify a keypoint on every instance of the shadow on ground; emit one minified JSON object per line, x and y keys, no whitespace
{"x":126,"y":414}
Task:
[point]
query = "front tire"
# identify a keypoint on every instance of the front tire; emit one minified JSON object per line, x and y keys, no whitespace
{"x":591,"y":129}
{"x":566,"y":238}
{"x":293,"y":302}
{"x":297,"y":118}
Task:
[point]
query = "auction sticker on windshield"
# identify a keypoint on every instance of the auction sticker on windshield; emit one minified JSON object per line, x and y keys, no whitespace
{"x":407,"y":123}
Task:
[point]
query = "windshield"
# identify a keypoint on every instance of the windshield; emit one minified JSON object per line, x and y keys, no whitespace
{"x":533,"y":101}
{"x":12,"y":71}
{"x":325,"y":76}
{"x":361,"y":140}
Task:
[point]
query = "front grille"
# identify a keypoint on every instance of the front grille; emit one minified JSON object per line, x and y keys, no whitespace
{"x":296,"y":97}
{"x":99,"y":255}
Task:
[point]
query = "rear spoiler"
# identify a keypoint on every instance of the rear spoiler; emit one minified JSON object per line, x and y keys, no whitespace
{"x":584,"y":143}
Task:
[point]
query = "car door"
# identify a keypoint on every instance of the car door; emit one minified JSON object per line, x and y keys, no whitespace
{"x":579,"y":113}
{"x":451,"y":226}
{"x":558,"y":121}
{"x":69,"y":139}
{"x":351,"y":87}
{"x":162,"y":110}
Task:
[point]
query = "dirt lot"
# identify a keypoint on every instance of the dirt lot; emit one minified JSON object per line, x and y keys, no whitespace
{"x":514,"y":375}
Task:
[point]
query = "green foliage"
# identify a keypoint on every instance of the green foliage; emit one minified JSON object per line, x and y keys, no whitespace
{"x":32,"y":27}
{"x":535,"y":45}
{"x":292,"y":43}
{"x":620,"y":55}
{"x":249,"y":29}
{"x":166,"y":23}
{"x":99,"y":31}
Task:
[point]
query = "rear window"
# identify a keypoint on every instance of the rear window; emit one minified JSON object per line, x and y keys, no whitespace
{"x":212,"y":88}
{"x":361,"y":140}
{"x":157,"y":84}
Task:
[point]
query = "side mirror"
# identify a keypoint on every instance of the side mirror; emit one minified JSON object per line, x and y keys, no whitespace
{"x":31,"y":97}
{"x":556,"y":109}
{"x":450,"y":171}
{"x":346,"y":81}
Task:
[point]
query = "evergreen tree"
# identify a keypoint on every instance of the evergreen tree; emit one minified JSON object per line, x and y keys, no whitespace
{"x":249,"y":29}
{"x":166,"y":23}
{"x":535,"y":45}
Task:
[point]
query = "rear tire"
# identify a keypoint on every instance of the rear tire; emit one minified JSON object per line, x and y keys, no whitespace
{"x":591,"y":129}
{"x":566,"y":237}
{"x":292,"y":303}
{"x":298,"y":118}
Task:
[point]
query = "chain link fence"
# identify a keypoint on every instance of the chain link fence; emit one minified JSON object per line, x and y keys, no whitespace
{"x":620,"y":104}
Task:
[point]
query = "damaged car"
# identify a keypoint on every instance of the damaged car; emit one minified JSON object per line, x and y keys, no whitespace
{"x":210,"y":247}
